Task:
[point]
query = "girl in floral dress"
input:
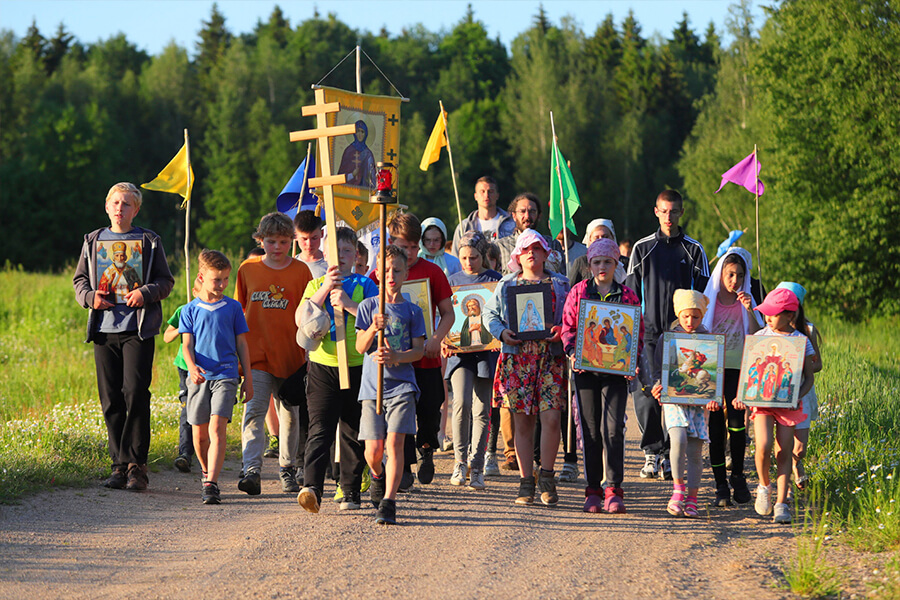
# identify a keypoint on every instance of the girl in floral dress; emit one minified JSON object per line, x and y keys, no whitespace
{"x":530,"y":377}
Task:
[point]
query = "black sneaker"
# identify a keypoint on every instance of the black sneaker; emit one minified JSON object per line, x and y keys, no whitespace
{"x":351,"y":501}
{"x":272,"y":450}
{"x":386,"y":513}
{"x":723,"y":495}
{"x":425,"y":469}
{"x":183,"y":463}
{"x":118,"y":478}
{"x":740,"y":491}
{"x":251,"y":483}
{"x":376,"y":490}
{"x":406,"y":482}
{"x":289,"y":483}
{"x":310,"y":499}
{"x":211,"y":493}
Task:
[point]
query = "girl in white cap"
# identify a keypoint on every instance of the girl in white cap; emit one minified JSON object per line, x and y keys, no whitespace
{"x":687,"y":424}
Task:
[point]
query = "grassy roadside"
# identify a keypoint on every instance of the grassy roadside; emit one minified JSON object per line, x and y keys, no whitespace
{"x":52,"y":431}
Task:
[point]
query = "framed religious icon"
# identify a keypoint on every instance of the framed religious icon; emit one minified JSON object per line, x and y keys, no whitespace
{"x":693,"y":368}
{"x":771,"y":370}
{"x":530,"y":309}
{"x":120,"y":267}
{"x":607,"y":339}
{"x":469,"y":332}
{"x":418,"y":292}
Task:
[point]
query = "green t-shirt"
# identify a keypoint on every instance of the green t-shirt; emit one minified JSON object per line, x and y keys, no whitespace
{"x":326,"y":354}
{"x":173,"y":321}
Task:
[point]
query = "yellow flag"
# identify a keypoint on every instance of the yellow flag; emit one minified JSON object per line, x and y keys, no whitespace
{"x":357,"y":214}
{"x":437,"y":141}
{"x":173,"y":178}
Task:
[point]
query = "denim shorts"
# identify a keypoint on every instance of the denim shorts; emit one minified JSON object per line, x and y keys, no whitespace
{"x":398,"y":416}
{"x":211,"y":397}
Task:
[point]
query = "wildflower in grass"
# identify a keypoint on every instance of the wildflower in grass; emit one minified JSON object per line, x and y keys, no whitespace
{"x":880,"y":526}
{"x":889,"y":476}
{"x":875,"y":467}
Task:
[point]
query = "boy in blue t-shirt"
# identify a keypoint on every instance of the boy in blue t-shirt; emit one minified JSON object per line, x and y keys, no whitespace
{"x":404,"y":335}
{"x":214,"y":334}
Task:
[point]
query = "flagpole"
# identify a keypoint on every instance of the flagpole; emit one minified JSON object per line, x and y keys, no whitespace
{"x":303,"y":193}
{"x":187,"y":218}
{"x":450,"y":154}
{"x":570,"y":440}
{"x":756,"y":190}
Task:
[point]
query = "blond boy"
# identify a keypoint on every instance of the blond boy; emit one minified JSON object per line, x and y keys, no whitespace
{"x":214,"y":335}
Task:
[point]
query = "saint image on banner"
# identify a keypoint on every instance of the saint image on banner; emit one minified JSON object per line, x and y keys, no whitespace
{"x":357,"y":161}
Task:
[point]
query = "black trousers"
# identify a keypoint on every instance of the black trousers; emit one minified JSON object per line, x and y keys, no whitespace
{"x":428,"y":412}
{"x":328,"y":405}
{"x":736,"y":430}
{"x":601,"y":406}
{"x":124,"y":365}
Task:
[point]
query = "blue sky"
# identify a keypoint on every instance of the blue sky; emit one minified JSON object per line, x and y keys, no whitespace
{"x":152,"y":24}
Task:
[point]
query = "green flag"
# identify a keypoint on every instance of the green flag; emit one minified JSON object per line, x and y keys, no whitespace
{"x":559,"y":171}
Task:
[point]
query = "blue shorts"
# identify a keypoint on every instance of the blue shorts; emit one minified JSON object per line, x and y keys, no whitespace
{"x":212,"y":397}
{"x":398,"y":416}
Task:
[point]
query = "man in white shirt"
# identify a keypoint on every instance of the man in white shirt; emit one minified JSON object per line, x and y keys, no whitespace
{"x":493,"y":222}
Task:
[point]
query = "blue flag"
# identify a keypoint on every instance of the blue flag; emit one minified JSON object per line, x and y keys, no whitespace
{"x":732,"y":238}
{"x":287,"y":199}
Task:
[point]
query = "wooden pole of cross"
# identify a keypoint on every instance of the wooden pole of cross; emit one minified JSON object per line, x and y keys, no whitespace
{"x":321,"y":134}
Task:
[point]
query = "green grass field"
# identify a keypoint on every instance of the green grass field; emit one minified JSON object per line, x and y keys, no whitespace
{"x":52,"y":431}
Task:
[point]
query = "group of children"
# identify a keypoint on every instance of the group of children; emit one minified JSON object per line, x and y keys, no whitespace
{"x":281,"y":327}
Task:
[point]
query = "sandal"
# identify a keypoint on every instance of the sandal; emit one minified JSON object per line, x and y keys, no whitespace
{"x":676,"y":503}
{"x":802,"y":482}
{"x":690,"y":508}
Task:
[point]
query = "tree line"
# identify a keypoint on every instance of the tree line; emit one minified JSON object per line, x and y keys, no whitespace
{"x":634,"y":114}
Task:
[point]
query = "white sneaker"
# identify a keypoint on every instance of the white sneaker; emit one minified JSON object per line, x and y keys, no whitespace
{"x":476,"y":480}
{"x":763,"y":501}
{"x":782,"y":513}
{"x":568,"y":473}
{"x":459,"y":474}
{"x":490,"y":465}
{"x":649,"y":469}
{"x":665,"y":468}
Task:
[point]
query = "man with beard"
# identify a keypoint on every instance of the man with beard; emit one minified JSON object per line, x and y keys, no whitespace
{"x":526,"y":210}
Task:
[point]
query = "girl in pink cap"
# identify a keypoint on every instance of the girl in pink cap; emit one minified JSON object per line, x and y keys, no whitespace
{"x":601,"y":397}
{"x":529,"y":380}
{"x":780,"y":309}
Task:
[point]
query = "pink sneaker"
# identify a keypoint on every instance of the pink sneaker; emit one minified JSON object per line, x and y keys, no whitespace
{"x":592,"y":501}
{"x":614,"y":502}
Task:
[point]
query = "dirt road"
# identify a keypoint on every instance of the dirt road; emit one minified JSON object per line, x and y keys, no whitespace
{"x":453,"y":543}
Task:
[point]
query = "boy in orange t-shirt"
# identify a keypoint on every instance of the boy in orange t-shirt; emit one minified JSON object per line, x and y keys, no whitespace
{"x":270,"y":288}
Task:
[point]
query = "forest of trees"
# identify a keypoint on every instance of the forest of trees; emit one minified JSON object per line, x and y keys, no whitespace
{"x":817,"y":87}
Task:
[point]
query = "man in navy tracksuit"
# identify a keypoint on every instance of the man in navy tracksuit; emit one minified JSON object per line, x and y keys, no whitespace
{"x":660,"y":264}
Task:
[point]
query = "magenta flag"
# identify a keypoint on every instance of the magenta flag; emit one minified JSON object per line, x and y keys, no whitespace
{"x":743,"y":175}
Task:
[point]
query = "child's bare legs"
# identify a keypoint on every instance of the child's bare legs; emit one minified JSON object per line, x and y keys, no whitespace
{"x":392,"y":469}
{"x":550,"y":437}
{"x":201,"y":446}
{"x":784,"y":446}
{"x":272,"y":417}
{"x":524,"y":442}
{"x":801,"y":438}
{"x":209,"y":446}
{"x":216,"y":446}
{"x":394,"y":465}
{"x":762,"y":428}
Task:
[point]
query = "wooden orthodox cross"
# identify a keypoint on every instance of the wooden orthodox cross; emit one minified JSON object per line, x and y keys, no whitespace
{"x":321,"y":134}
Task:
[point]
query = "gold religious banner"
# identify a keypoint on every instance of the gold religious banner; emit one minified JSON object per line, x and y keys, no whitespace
{"x":376,"y":139}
